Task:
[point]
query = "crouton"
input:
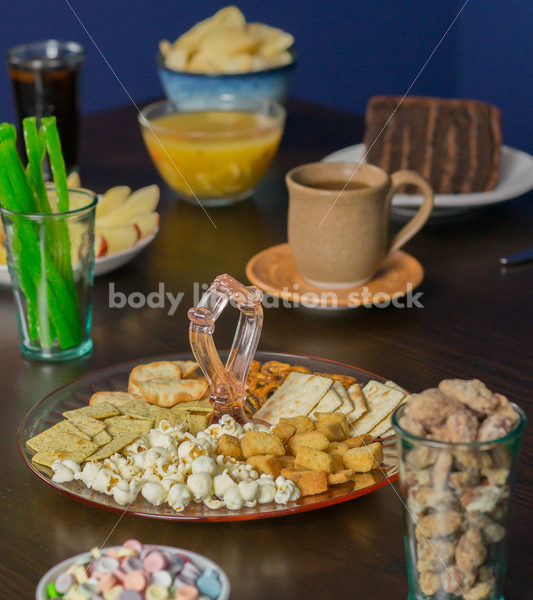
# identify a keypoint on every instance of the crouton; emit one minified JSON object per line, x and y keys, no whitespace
{"x":334,"y":418}
{"x":362,"y":460}
{"x":315,"y":460}
{"x":338,"y":463}
{"x":286,"y":462}
{"x":333,"y":431}
{"x":302,"y":424}
{"x":311,"y":439}
{"x":284,"y":431}
{"x":337,"y":448}
{"x":308,"y":482}
{"x":363,"y":480}
{"x":254,"y":443}
{"x":229,"y":445}
{"x":340,"y":477}
{"x":267,"y":463}
{"x":359,"y":440}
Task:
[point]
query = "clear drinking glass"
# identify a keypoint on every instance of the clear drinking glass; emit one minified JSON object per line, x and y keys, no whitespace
{"x":51,"y":260}
{"x":457,"y":500}
{"x":45,"y":78}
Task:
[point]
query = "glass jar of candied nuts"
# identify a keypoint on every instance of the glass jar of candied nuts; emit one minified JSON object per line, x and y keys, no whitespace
{"x":457,"y":474}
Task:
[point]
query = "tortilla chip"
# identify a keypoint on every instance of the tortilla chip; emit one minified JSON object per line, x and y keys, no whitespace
{"x":99,"y":411}
{"x":381,"y":400}
{"x":297,"y":396}
{"x":358,"y":400}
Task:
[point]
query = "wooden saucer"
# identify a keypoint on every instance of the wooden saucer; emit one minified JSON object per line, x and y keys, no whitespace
{"x":273,"y":270}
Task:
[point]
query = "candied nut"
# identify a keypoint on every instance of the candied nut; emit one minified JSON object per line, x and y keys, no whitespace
{"x":478,"y":459}
{"x":505,"y":408}
{"x":454,"y":580}
{"x":492,"y":532}
{"x":494,"y":427}
{"x":496,"y":476}
{"x":462,"y":426}
{"x":482,"y":498}
{"x":438,"y":525}
{"x":414,"y":477}
{"x":429,"y":583}
{"x":424,"y":497}
{"x":463,"y":479}
{"x":481,"y":591}
{"x":470,"y":551}
{"x":441,"y":469}
{"x":434,"y":555}
{"x":486,"y":574}
{"x":473,"y":393}
{"x":421,"y":457}
{"x":430,"y":407}
{"x":501,"y":457}
{"x":407,"y":422}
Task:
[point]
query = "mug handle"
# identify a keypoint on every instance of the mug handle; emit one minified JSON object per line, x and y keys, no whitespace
{"x":422,"y":215}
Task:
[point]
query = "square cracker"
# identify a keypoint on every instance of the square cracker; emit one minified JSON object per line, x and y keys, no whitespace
{"x":383,"y":428}
{"x":102,"y":438}
{"x":347,"y":405}
{"x":62,"y":432}
{"x":118,"y":442}
{"x":66,"y":446}
{"x":87,"y":425}
{"x":296,"y":396}
{"x":329,"y":402}
{"x":123,"y":425}
{"x":381,"y":400}
{"x":99,"y":411}
{"x":358,"y":400}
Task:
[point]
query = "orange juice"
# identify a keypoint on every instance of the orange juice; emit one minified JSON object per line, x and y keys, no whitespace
{"x":213,"y":154}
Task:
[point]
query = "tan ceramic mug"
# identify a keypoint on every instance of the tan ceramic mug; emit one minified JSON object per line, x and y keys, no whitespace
{"x":339,"y":237}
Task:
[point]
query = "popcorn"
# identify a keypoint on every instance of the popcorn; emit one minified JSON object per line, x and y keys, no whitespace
{"x":176,"y":468}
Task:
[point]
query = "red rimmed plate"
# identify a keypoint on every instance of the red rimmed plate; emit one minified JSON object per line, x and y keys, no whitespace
{"x":76,"y":394}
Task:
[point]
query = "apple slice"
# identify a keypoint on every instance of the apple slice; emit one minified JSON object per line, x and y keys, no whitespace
{"x":100,"y":246}
{"x":142,"y":201}
{"x":111,"y":200}
{"x":73,"y":180}
{"x":118,"y":237}
{"x":145,"y":223}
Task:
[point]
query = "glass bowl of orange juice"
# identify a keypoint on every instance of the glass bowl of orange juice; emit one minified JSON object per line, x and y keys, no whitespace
{"x":214,"y":151}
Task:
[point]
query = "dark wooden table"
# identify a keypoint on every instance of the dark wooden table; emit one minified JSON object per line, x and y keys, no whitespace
{"x":477,"y":321}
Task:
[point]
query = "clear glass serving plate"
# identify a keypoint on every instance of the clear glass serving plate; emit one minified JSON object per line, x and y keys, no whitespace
{"x":77,"y":393}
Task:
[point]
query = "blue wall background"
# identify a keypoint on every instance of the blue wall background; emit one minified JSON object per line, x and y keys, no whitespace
{"x":349,"y":49}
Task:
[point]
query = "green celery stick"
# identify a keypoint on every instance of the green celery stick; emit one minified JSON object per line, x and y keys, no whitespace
{"x":7,"y":198}
{"x":8,"y":132}
{"x":62,"y":303}
{"x":57,"y":163}
{"x":35,"y":151}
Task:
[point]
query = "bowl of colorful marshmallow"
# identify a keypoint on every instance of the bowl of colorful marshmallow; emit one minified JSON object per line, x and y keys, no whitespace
{"x":135,"y":571}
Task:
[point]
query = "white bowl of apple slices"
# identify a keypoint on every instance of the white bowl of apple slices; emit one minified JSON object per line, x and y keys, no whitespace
{"x":125,"y":224}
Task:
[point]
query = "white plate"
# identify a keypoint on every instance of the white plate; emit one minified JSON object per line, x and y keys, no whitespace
{"x":102,"y":265}
{"x":201,"y":561}
{"x":516,"y":178}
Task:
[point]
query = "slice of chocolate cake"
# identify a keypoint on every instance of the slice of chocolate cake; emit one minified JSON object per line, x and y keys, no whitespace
{"x":455,"y":144}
